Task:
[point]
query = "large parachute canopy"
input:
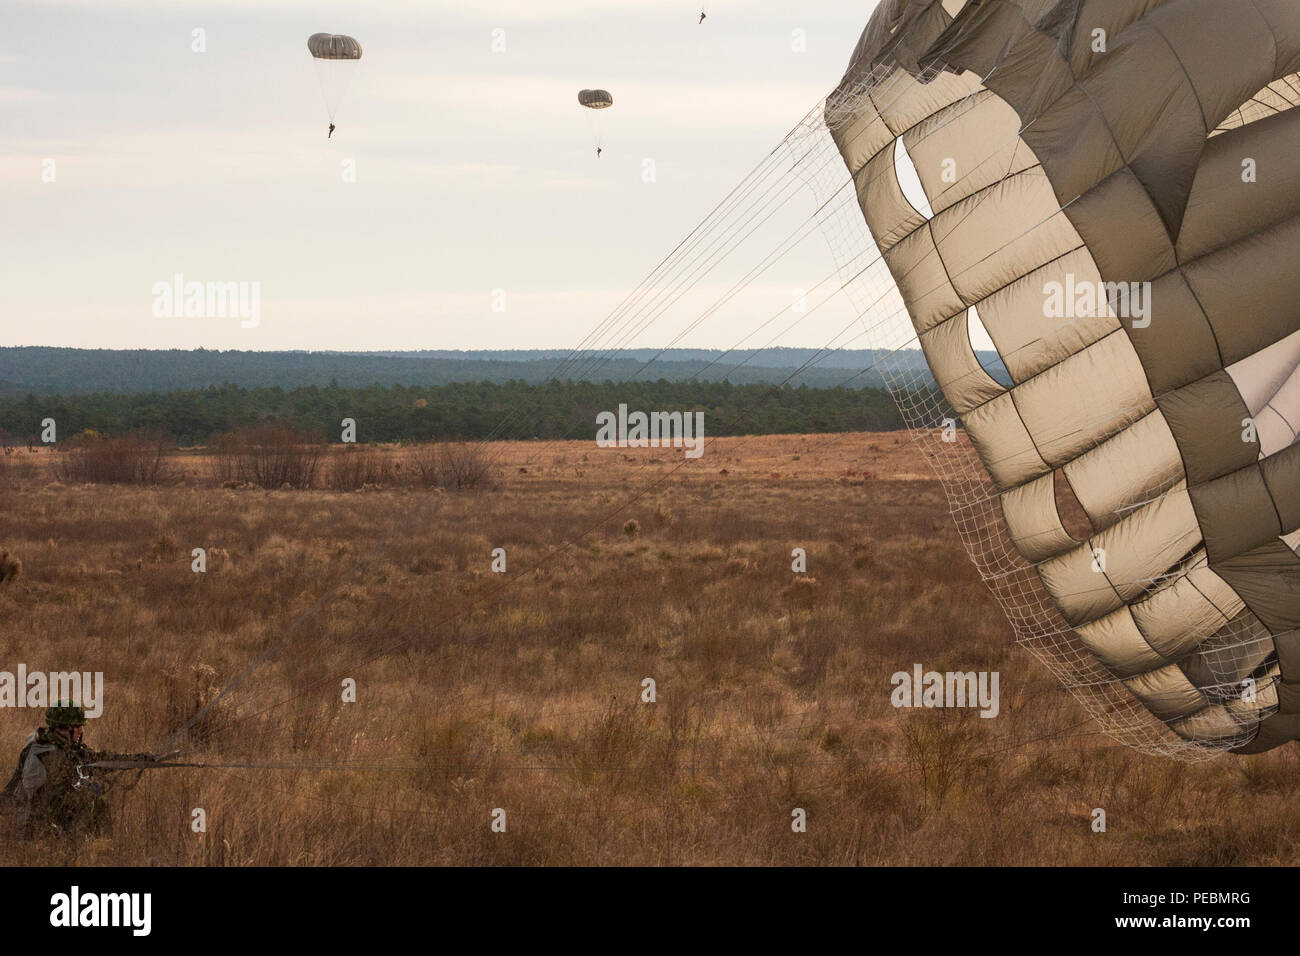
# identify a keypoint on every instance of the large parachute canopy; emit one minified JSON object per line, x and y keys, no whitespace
{"x":336,"y":58}
{"x":1111,"y":197}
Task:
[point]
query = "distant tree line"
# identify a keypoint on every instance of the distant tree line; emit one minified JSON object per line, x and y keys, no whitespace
{"x":62,"y":371}
{"x":469,"y":411}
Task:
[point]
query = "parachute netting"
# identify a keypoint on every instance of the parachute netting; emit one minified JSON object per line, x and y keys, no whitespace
{"x":1240,"y":649}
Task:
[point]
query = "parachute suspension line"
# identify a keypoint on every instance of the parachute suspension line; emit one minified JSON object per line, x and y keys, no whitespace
{"x":828,"y":160}
{"x":797,"y":165}
{"x":580,"y":353}
{"x":721,"y":302}
{"x":716,"y":258}
{"x":690,"y":272}
{"x":878,"y":768}
{"x":714,"y":254}
{"x":582,"y":368}
{"x":331,"y":103}
{"x":711,"y":222}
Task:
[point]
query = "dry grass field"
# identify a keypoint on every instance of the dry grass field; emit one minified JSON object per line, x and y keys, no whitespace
{"x":522,"y":691}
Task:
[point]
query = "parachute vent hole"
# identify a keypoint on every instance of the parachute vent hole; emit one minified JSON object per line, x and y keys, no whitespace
{"x":986,"y":351}
{"x":1278,"y":97}
{"x":909,"y":181}
{"x":1074,"y":519}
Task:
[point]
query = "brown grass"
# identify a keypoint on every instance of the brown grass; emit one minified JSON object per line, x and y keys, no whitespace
{"x":354,"y":468}
{"x":772,"y":688}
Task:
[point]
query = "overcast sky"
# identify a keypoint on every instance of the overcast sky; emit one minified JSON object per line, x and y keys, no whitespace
{"x":475,"y":170}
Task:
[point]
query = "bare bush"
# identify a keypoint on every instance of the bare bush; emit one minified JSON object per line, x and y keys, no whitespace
{"x":463,"y":465}
{"x":269,"y":456}
{"x":353,"y":468}
{"x":459,"y":465}
{"x":127,"y":460}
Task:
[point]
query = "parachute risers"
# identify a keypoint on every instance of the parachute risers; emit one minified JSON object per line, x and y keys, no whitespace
{"x":336,"y":58}
{"x":596,"y":100}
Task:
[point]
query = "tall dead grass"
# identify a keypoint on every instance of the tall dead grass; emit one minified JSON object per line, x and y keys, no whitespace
{"x":770,"y":695}
{"x":354,"y":467}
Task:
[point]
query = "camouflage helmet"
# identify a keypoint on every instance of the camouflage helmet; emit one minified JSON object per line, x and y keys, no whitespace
{"x":65,"y":714}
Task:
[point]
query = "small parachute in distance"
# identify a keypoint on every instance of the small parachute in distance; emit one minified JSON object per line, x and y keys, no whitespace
{"x":336,"y":58}
{"x":333,"y":46}
{"x":596,"y":100}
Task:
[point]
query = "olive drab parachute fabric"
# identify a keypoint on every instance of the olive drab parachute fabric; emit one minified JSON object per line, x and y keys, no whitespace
{"x":331,"y":46}
{"x":596,"y":100}
{"x":336,"y":58}
{"x":1114,"y":199}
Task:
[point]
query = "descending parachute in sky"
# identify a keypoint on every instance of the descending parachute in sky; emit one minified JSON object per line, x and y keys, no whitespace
{"x":1111,"y":198}
{"x":596,"y":100}
{"x":337,"y":59}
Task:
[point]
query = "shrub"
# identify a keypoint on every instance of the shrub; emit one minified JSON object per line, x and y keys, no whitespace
{"x":128,"y":460}
{"x":460,"y":465}
{"x":269,"y":456}
{"x":463,"y":465}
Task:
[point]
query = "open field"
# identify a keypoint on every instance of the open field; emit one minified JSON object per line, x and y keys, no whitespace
{"x":522,"y":691}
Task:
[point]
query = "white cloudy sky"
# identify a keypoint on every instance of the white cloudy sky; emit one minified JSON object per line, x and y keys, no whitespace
{"x":475,"y":170}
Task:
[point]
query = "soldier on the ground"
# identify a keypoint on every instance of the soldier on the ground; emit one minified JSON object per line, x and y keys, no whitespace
{"x":52,"y":789}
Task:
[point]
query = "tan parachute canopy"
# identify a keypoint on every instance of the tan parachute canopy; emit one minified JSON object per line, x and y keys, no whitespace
{"x":1134,"y":495}
{"x":336,"y":58}
{"x":333,"y":46}
{"x":595,"y":99}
